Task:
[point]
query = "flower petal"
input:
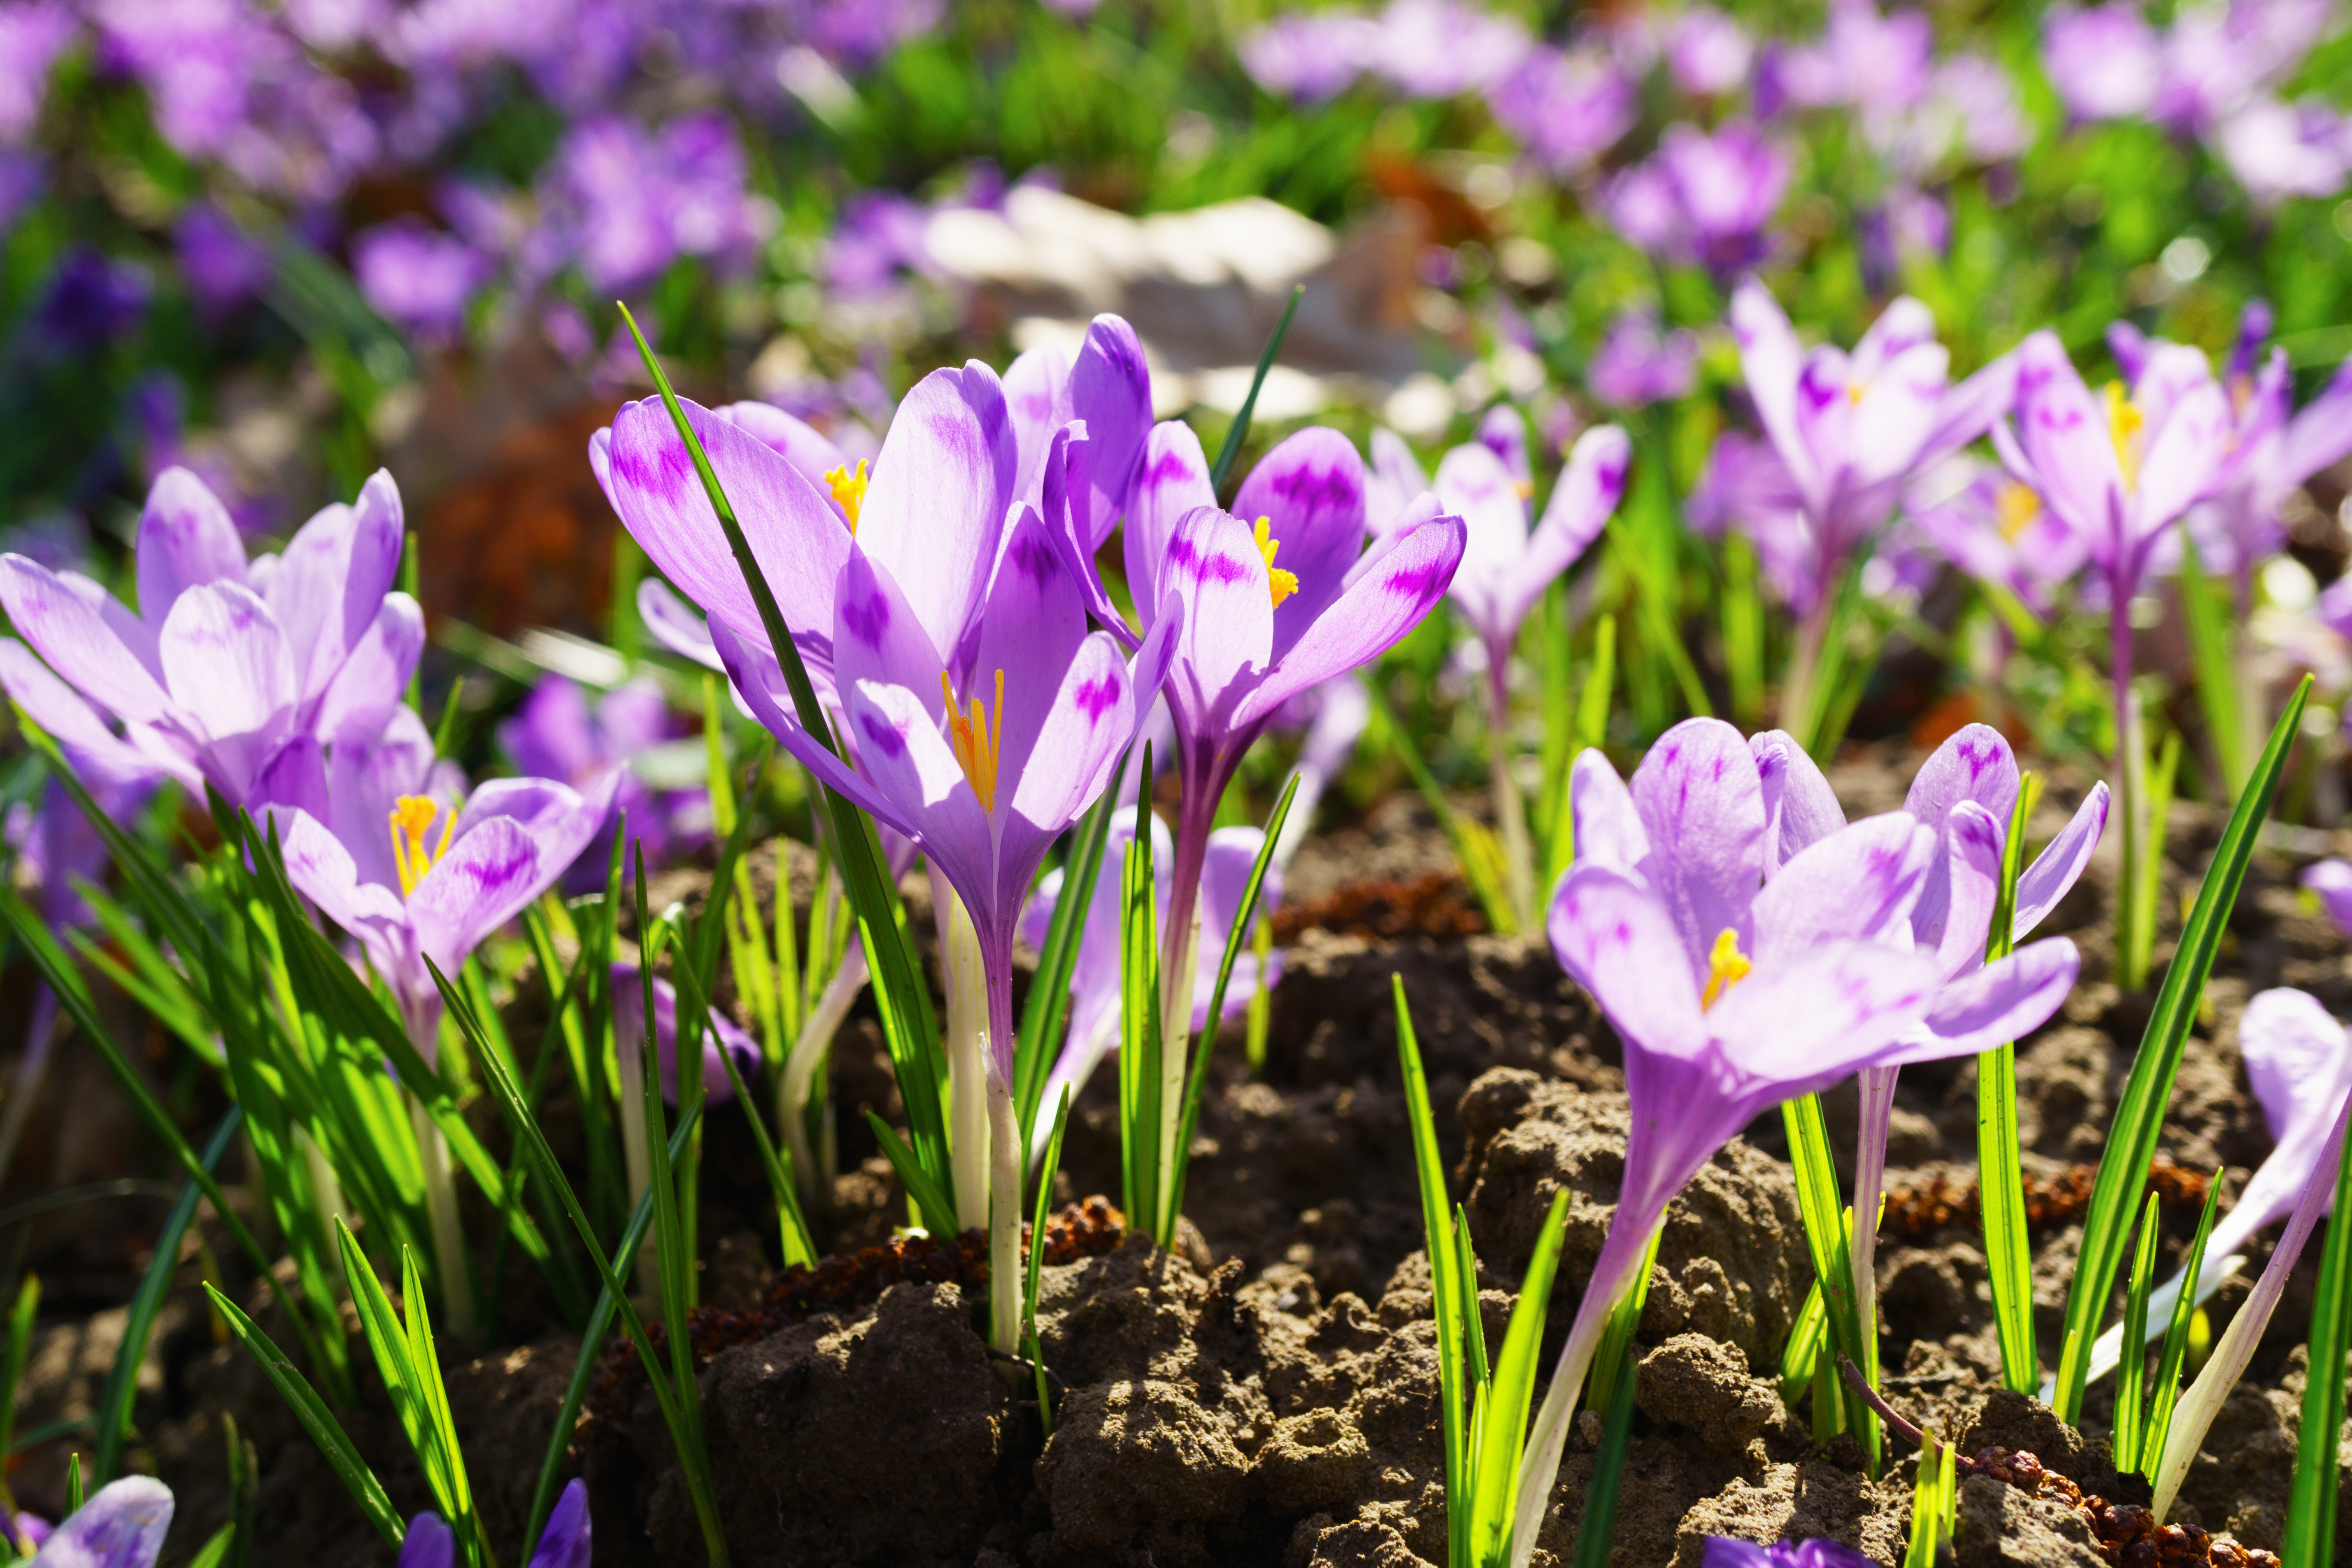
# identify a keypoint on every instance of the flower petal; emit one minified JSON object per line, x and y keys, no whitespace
{"x":229,"y":671}
{"x":1379,"y":609}
{"x":429,"y":1543}
{"x":2298,"y":1060}
{"x":1860,"y":882}
{"x":935,"y":510}
{"x":485,"y":881}
{"x":909,"y":763}
{"x":1091,"y":721}
{"x":1110,"y":389}
{"x":878,"y":636}
{"x":2061,"y":862}
{"x":1582,"y":504}
{"x":2186,"y":450}
{"x":1472,"y":485}
{"x":1840,"y":1005}
{"x":1171,"y":479}
{"x":186,"y":537}
{"x":2061,"y":436}
{"x":1771,"y":360}
{"x":1615,"y":938}
{"x":320,"y":866}
{"x":1029,"y":630}
{"x":122,"y":1526}
{"x":78,"y":643}
{"x":1702,"y":803}
{"x":1608,"y":829}
{"x":810,"y":451}
{"x":75,"y":725}
{"x":1799,"y":807}
{"x":2006,"y":1000}
{"x":1965,"y":883}
{"x":1212,"y":566}
{"x":564,"y":1543}
{"x":1035,"y":397}
{"x":1310,"y":489}
{"x":758,"y":681}
{"x":1068,"y":456}
{"x":373,"y":679}
{"x":326,"y":587}
{"x":675,"y":624}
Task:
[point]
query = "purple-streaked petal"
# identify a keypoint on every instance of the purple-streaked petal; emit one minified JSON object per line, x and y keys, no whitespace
{"x":1395,"y":478}
{"x":795,"y":535}
{"x":2320,"y":435}
{"x":428,"y":1544}
{"x":1091,"y":720}
{"x":1581,"y":506}
{"x":1034,"y":388}
{"x":1969,"y":410}
{"x":559,"y":819}
{"x":1799,"y":807}
{"x":1954,"y":914}
{"x":1861,"y":881}
{"x":2186,"y":449}
{"x":485,"y":881}
{"x":2061,"y":862}
{"x":1472,"y":485}
{"x":2298,"y":1062}
{"x":1617,"y":940}
{"x":1213,"y":567}
{"x":675,"y":624}
{"x":1065,"y":486}
{"x":185,"y":538}
{"x":878,"y":636}
{"x":368,"y":775}
{"x":1110,"y":389}
{"x":373,"y":679}
{"x":1310,"y":489}
{"x":564,"y":1543}
{"x":1896,"y":413}
{"x":1771,"y":360}
{"x":1225,"y":869}
{"x":719,"y":1034}
{"x":295,"y":776}
{"x":1608,"y":829}
{"x":1171,"y":480}
{"x":326,"y":587}
{"x":2006,"y":1000}
{"x":231,"y":674}
{"x":1030,"y":630}
{"x":935,"y":511}
{"x":1504,"y":432}
{"x":1379,"y":607}
{"x":806,"y":448}
{"x":1804,"y":1025}
{"x":2063,"y":437}
{"x":121,"y":1526}
{"x":320,"y":868}
{"x":1702,"y":804}
{"x":759,"y":681}
{"x":1974,"y":763}
{"x":73,"y":635}
{"x":911,"y":764}
{"x":71,"y":722}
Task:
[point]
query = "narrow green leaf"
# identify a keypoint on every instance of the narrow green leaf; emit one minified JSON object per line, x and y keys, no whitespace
{"x":1599,"y":1523}
{"x":1928,"y":1530}
{"x":937,"y":1209}
{"x":334,"y":1445}
{"x":1624,"y":1317}
{"x":2140,"y":1113}
{"x":1141,"y":1046}
{"x":2311,"y":1510}
{"x":1232,"y":450}
{"x":2167,"y":1392}
{"x":1826,"y":1236}
{"x":1465,"y":1291}
{"x":20,"y":1345}
{"x":2001,"y":1174}
{"x":216,"y":1551}
{"x":113,"y":1417}
{"x":1808,"y":1338}
{"x":1496,"y":1468}
{"x":1436,"y":1220}
{"x":1051,"y":1163}
{"x":2131,"y":1377}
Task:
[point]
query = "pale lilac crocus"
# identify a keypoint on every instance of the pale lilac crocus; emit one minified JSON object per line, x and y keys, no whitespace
{"x":1965,"y":794}
{"x":1107,"y":388}
{"x":1853,"y":429}
{"x":1731,"y":993}
{"x":1567,"y":107}
{"x":719,"y":1034}
{"x":2299,"y":1064}
{"x":558,"y":734}
{"x":1505,"y":569}
{"x":1703,"y":197}
{"x":1994,"y":529}
{"x":1393,"y":480}
{"x":1095,"y":981}
{"x":564,"y":1543}
{"x":2104,"y":60}
{"x":1636,"y":365}
{"x":122,"y":1525}
{"x":232,"y":673}
{"x":1708,"y":53}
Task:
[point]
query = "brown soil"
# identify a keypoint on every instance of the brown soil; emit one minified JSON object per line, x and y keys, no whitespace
{"x":1267,"y":1395}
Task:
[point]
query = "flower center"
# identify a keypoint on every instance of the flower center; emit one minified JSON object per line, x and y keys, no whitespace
{"x":848,"y":488}
{"x":411,"y":815}
{"x":1284,"y":583}
{"x":1727,"y":966}
{"x":976,"y":740}
{"x":2124,"y":422}
{"x":2016,"y":508}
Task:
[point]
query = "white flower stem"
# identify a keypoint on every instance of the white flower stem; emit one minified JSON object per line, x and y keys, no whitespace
{"x":967,"y":1050}
{"x":630,"y":1050}
{"x":1869,"y":1188}
{"x":1005,"y":1277}
{"x":448,"y":1235}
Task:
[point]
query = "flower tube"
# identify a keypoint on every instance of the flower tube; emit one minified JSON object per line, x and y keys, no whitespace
{"x":121,"y":1526}
{"x":1731,"y":993}
{"x":1505,"y":569}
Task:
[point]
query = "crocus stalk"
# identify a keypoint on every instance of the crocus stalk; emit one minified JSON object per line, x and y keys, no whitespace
{"x":233,"y":673}
{"x":412,"y":875}
{"x":2202,"y":1400}
{"x":1852,"y":430}
{"x":564,"y":1543}
{"x":1731,"y":993}
{"x":1095,"y":993}
{"x":2299,"y":1060}
{"x":1504,"y":572}
{"x":122,"y":1525}
{"x":965,"y":983}
{"x":1965,"y":792}
{"x":1278,"y":596}
{"x":2118,"y":469}
{"x":985,"y":718}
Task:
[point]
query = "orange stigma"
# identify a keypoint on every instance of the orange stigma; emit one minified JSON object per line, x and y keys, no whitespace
{"x":976,"y":740}
{"x":848,"y":490}
{"x":411,"y":815}
{"x":1283,"y":584}
{"x":1726,"y":967}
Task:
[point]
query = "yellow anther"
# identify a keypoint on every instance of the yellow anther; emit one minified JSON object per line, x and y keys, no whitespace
{"x":848,"y":488}
{"x":1284,"y":583}
{"x":976,"y":740}
{"x":2124,"y":422}
{"x":1727,"y":966}
{"x":1855,"y":391}
{"x":2016,"y":508}
{"x":411,"y":815}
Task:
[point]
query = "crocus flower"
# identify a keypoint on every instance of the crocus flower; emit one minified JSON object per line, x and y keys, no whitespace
{"x":1095,"y":983}
{"x":1877,"y":63}
{"x":1994,"y":529}
{"x":2299,"y":1063}
{"x":1636,"y":365}
{"x":417,"y":276}
{"x":721,"y":1034}
{"x":1108,"y":388}
{"x":1853,"y":429}
{"x":430,"y":1543}
{"x":1707,"y":52}
{"x":234,"y":673}
{"x":121,"y":1525}
{"x":2103,"y":60}
{"x":1392,"y":482}
{"x":1309,"y":54}
{"x":1703,"y":197}
{"x":1567,"y":107}
{"x":556,"y":734}
{"x":1731,"y":993}
{"x":1725,"y":1552}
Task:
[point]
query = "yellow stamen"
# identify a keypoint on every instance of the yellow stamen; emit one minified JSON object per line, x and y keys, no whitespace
{"x":976,"y":740}
{"x":411,"y":815}
{"x":1284,"y":583}
{"x":2016,"y":508}
{"x":1855,"y":391}
{"x":848,"y":488}
{"x":1726,"y":967}
{"x":2124,"y":422}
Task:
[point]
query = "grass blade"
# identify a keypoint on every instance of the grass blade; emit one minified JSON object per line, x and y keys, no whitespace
{"x":113,"y":1417}
{"x":335,"y":1445}
{"x":1141,"y":1046}
{"x":2131,"y":1377}
{"x":2175,"y":1334}
{"x":2310,"y":1533}
{"x":2001,"y":1185}
{"x":1496,"y":1467}
{"x":1436,"y":1219}
{"x":938,"y":1209}
{"x":1808,"y":1338}
{"x":20,"y":1346}
{"x":1599,"y":1523}
{"x":2139,"y":1114}
{"x":1231,"y":451}
{"x":1826,"y":1236}
{"x":1035,"y":1269}
{"x":799,"y":1245}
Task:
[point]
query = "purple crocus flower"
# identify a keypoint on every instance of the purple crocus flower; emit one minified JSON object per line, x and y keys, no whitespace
{"x":1637,"y":365}
{"x":122,"y":1525}
{"x":1994,"y":529}
{"x":1731,"y":993}
{"x":32,"y":35}
{"x":1879,"y":64}
{"x":1853,"y":429}
{"x":1438,"y":48}
{"x":1096,"y":989}
{"x":1565,"y":107}
{"x":2279,"y":150}
{"x":721,"y":1034}
{"x":234,"y":673}
{"x":221,"y":264}
{"x":1707,"y":52}
{"x":91,"y":301}
{"x":2103,"y":60}
{"x":556,"y":734}
{"x":1108,"y":388}
{"x":1392,"y":482}
{"x":418,"y":277}
{"x":430,"y":1542}
{"x":1702,"y":197}
{"x":1725,"y":1552}
{"x":1310,"y":55}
